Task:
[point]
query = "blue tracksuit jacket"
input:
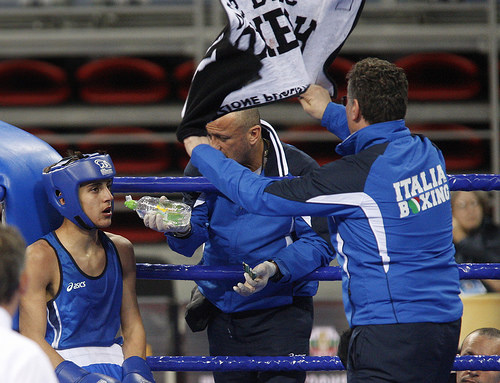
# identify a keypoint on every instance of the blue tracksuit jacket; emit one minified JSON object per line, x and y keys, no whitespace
{"x":232,"y":235}
{"x":388,"y":204}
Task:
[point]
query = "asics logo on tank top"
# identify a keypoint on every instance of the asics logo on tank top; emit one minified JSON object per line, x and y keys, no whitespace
{"x":104,"y":166}
{"x":75,"y":285}
{"x":422,"y":191}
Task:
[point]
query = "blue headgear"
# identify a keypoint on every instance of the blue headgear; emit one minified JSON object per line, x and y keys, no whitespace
{"x":63,"y":180}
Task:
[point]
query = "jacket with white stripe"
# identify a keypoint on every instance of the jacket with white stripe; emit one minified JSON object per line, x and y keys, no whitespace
{"x":232,"y":235}
{"x":388,"y":203}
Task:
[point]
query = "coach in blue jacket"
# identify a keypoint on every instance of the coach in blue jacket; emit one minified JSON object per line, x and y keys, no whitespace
{"x":271,"y":318}
{"x":388,"y":203}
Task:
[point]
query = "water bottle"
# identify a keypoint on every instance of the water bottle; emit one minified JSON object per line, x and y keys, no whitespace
{"x":175,"y":213}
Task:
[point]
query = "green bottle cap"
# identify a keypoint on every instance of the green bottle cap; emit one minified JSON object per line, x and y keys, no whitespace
{"x":131,"y":204}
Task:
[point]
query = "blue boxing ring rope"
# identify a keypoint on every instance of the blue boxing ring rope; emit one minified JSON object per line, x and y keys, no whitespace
{"x":290,"y":363}
{"x":302,"y":363}
{"x":330,"y":273}
{"x":466,"y":182}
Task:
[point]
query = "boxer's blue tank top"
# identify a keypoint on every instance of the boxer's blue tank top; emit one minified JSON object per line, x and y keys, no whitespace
{"x":85,"y":310}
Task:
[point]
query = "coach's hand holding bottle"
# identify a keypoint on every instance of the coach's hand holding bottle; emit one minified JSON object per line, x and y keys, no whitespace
{"x":162,"y":215}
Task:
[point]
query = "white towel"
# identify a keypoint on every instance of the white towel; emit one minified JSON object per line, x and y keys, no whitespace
{"x":293,"y":43}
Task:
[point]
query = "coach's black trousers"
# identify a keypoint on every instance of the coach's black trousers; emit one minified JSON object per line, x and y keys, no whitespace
{"x":278,"y":331}
{"x":403,"y":353}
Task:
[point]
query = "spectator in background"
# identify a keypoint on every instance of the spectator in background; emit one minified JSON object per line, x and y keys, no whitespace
{"x":483,"y":341}
{"x":476,"y":238}
{"x":21,"y":359}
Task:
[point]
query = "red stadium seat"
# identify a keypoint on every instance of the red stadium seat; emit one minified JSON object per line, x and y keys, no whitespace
{"x":32,"y":82}
{"x":122,"y":80}
{"x":183,"y":75}
{"x":133,"y":156}
{"x":440,"y":76}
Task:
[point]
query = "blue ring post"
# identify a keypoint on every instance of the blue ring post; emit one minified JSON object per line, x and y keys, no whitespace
{"x":22,"y":159}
